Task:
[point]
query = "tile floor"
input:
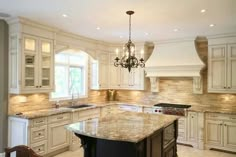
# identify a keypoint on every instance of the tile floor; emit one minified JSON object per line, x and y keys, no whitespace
{"x":183,"y":151}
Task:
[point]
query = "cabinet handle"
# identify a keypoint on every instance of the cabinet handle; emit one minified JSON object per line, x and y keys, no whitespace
{"x":221,"y":124}
{"x":228,"y":87}
{"x":39,"y":134}
{"x":232,"y":118}
{"x":39,"y":149}
{"x":224,"y":87}
{"x":59,"y":117}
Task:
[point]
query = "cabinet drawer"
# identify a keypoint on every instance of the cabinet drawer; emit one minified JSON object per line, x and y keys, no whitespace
{"x":39,"y":121}
{"x":38,"y":134}
{"x":40,"y":148}
{"x":59,"y":117}
{"x":86,"y":114}
{"x":221,"y":116}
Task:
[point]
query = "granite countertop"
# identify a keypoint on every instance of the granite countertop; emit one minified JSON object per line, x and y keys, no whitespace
{"x":231,"y":110}
{"x":130,"y":127}
{"x":53,"y":111}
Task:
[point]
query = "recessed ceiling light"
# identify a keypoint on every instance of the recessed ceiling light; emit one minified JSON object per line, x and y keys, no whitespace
{"x":175,"y":30}
{"x":98,"y":28}
{"x":203,"y":10}
{"x":211,"y":25}
{"x":121,"y":36}
{"x":146,"y":33}
{"x":64,"y":15}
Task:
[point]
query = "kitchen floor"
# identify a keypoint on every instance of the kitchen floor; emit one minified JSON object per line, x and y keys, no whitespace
{"x":183,"y":151}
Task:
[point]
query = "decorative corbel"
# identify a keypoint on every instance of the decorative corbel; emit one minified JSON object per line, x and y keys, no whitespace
{"x":154,"y":84}
{"x":197,"y":85}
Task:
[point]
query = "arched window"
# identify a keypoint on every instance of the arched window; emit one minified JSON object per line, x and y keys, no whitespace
{"x":71,"y":75}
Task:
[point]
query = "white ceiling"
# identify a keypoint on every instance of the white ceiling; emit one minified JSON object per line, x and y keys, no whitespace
{"x":156,"y":17}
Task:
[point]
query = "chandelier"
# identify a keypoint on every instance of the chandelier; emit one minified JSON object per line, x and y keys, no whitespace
{"x":128,"y":60}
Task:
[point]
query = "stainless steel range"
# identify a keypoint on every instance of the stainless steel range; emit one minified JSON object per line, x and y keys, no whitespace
{"x":173,"y":109}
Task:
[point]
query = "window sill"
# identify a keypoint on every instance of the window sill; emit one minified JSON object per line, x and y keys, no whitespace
{"x":67,"y":98}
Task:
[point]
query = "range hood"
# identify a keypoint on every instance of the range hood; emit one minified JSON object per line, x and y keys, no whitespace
{"x":174,"y":59}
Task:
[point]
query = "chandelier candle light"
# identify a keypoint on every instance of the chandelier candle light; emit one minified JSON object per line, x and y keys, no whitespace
{"x":128,"y":60}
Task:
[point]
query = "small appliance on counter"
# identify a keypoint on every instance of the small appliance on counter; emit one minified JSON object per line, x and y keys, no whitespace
{"x":111,"y":95}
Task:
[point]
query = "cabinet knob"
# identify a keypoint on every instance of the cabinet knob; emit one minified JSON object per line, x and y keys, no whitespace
{"x":225,"y":125}
{"x":221,"y":124}
{"x":37,"y":86}
{"x":40,"y":86}
{"x":224,"y":87}
{"x":228,"y":87}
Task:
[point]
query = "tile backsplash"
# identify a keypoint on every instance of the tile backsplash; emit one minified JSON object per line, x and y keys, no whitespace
{"x":172,"y":90}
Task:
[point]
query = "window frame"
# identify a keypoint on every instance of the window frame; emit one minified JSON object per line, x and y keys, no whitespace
{"x":68,"y":65}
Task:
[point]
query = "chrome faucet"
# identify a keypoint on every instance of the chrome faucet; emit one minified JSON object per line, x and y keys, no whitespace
{"x":72,"y":99}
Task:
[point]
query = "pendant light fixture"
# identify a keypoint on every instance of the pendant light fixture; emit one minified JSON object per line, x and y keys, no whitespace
{"x":128,"y":60}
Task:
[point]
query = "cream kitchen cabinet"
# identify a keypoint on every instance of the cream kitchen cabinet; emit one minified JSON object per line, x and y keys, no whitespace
{"x":44,"y":135}
{"x":182,"y":130}
{"x":192,"y":127}
{"x":188,"y":129}
{"x":28,"y":132}
{"x":32,"y":63}
{"x":220,"y":131}
{"x":121,"y":78}
{"x":222,"y":68}
{"x":58,"y":136}
{"x":99,"y":72}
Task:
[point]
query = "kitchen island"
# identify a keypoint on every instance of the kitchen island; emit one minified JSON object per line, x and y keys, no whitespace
{"x":128,"y":134}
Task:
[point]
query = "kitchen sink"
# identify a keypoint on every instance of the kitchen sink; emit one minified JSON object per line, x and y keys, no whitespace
{"x":80,"y":106}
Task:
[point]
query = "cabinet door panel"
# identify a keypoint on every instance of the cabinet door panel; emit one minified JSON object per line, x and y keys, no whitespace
{"x":58,"y":136}
{"x":103,"y":72}
{"x":231,"y":76}
{"x":214,"y":132}
{"x":30,"y":63}
{"x":229,"y":135}
{"x":217,"y":68}
{"x":114,"y":76}
{"x":192,"y":126}
{"x":46,"y":64}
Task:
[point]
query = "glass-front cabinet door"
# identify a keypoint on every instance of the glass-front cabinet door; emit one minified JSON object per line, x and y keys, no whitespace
{"x":46,"y":63}
{"x":30,"y":57}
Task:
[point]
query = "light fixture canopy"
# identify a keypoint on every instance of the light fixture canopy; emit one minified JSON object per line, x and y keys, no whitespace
{"x":128,"y":60}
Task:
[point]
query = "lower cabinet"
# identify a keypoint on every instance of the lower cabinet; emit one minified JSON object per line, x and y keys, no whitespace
{"x":220,"y":131}
{"x":58,"y":136}
{"x":188,"y":129}
{"x":44,"y":135}
{"x":214,"y":132}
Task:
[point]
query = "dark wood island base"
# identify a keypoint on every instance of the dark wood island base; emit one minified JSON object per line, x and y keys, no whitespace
{"x":161,"y":143}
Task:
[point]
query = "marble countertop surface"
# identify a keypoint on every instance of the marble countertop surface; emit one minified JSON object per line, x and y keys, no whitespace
{"x":128,"y":126}
{"x":53,"y":111}
{"x":211,"y":109}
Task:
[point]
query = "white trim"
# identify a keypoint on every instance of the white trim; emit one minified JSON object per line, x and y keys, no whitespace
{"x":2,"y":154}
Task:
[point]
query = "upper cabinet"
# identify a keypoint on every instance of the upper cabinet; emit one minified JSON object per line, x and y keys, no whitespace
{"x":99,"y":72}
{"x":121,"y":78}
{"x":31,"y":60}
{"x":222,"y":66}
